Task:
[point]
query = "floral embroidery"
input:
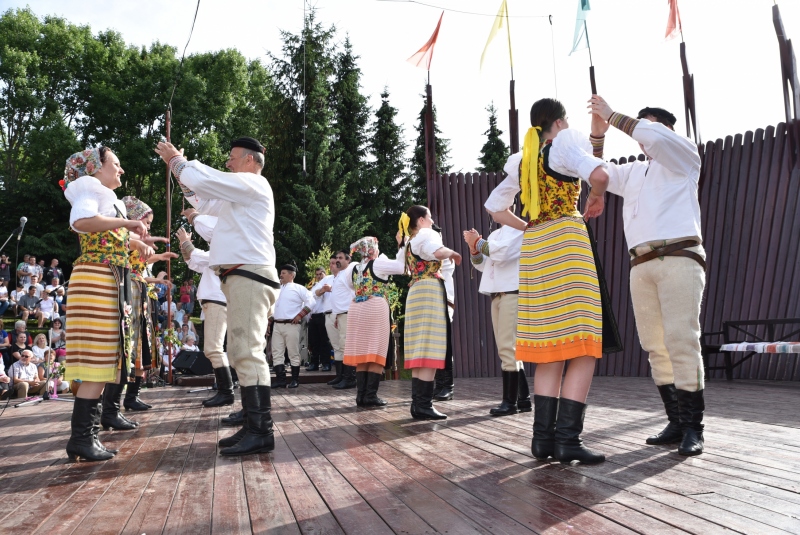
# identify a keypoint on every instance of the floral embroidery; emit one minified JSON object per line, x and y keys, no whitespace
{"x":556,"y":198}
{"x":82,"y":163}
{"x":109,"y":247}
{"x":366,"y":286}
{"x":422,"y":269}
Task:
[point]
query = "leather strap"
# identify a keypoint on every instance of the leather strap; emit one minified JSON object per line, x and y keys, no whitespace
{"x":673,"y":249}
{"x":220,"y":303}
{"x":248,"y":275}
{"x":498,"y":294}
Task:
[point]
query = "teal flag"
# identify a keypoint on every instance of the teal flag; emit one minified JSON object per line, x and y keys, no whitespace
{"x":581,"y":39}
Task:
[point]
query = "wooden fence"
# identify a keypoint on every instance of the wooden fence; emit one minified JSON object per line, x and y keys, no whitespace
{"x":750,"y":203}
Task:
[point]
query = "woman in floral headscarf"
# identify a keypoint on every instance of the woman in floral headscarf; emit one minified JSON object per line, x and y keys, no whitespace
{"x":369,"y":324}
{"x":99,"y":342}
{"x":144,"y":312}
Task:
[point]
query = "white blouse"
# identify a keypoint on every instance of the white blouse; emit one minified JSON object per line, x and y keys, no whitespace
{"x":426,"y":242}
{"x":90,"y":198}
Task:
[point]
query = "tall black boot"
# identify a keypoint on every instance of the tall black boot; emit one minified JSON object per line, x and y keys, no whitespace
{"x":348,"y":378}
{"x":544,"y":426}
{"x":691,"y":406}
{"x":280,"y":376}
{"x":371,"y":398}
{"x":569,"y":426}
{"x":523,"y":393}
{"x":446,"y":393}
{"x":338,"y":364}
{"x":414,"y":385}
{"x":438,"y":382}
{"x":671,"y":433}
{"x":236,"y":437}
{"x":425,"y":410}
{"x":295,"y":377}
{"x":325,"y":361}
{"x":111,"y":418}
{"x":258,"y":438}
{"x":234,"y":418}
{"x":132,"y":401}
{"x":96,"y":416}
{"x":509,"y":403}
{"x":224,"y":395}
{"x":361,"y":388}
{"x":82,"y":442}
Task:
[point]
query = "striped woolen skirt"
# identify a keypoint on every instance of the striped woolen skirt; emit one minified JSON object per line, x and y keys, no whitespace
{"x":93,"y":343}
{"x":559,"y":297}
{"x":425,"y":334}
{"x":368,"y":330}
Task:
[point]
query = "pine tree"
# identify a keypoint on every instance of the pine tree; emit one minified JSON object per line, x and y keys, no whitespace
{"x":418,"y":160}
{"x":494,"y":152}
{"x":393,"y":186}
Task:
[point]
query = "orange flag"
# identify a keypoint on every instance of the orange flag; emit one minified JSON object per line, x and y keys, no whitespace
{"x":674,"y":23}
{"x":424,"y":55}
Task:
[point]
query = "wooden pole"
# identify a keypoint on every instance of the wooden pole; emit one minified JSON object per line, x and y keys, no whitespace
{"x":689,"y":105}
{"x":430,"y":151}
{"x":169,"y":262}
{"x":513,"y":120}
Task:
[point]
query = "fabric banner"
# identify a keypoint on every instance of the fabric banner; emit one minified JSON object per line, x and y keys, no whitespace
{"x":674,"y":22}
{"x":581,"y":38}
{"x":500,"y":22}
{"x":424,"y":55}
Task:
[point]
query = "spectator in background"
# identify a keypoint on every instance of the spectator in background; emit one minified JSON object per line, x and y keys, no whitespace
{"x":61,"y":299}
{"x":48,"y":309}
{"x":161,"y":291}
{"x":40,"y":350}
{"x":4,"y":297}
{"x":25,"y":376}
{"x":189,"y":344}
{"x":57,"y":334}
{"x":54,"y":284}
{"x":35,"y":283}
{"x":5,"y":268}
{"x":50,"y":368}
{"x":5,"y":347}
{"x":186,"y":321}
{"x":16,"y":295}
{"x":5,"y":382}
{"x":192,"y":297}
{"x":165,"y":308}
{"x":29,"y":305}
{"x":22,"y":271}
{"x":20,"y":345}
{"x":20,"y":327}
{"x":53,"y":272}
{"x":185,"y":297}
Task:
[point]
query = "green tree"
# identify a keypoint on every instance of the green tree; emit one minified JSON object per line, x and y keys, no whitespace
{"x":420,"y":191}
{"x":494,"y":152}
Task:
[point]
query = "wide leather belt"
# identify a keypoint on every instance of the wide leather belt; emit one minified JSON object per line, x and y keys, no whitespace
{"x":220,"y":303}
{"x":673,"y":249}
{"x":283,"y":321}
{"x":498,"y":294}
{"x":248,"y":275}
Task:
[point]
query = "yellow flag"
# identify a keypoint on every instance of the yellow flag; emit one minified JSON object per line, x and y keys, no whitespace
{"x":500,"y":22}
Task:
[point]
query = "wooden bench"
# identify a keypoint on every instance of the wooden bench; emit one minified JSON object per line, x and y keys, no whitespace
{"x":769,"y":330}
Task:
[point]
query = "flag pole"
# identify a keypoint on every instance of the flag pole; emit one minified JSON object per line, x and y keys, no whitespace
{"x":591,"y":63}
{"x":169,"y":262}
{"x":513,"y":113}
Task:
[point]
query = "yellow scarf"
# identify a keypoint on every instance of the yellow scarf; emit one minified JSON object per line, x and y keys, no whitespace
{"x":529,"y":174}
{"x":402,"y":225}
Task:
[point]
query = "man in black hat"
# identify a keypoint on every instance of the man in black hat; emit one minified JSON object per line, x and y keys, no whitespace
{"x":294,"y":303}
{"x":243,"y":254}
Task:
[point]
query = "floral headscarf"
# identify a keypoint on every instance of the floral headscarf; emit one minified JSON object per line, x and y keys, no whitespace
{"x":86,"y":162}
{"x":137,"y":210}
{"x":367,"y":247}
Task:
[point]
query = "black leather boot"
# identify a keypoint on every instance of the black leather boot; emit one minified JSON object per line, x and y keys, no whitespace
{"x":414,"y":383}
{"x":438,"y":382}
{"x":446,"y":393}
{"x":295,"y":377}
{"x":338,"y":365}
{"x":258,"y":438}
{"x":569,"y":426}
{"x":671,"y":433}
{"x":348,"y":378}
{"x":544,"y":426}
{"x":509,"y":403}
{"x":96,"y":426}
{"x":691,"y":406}
{"x":371,"y":399}
{"x":234,"y":418}
{"x":82,"y":442}
{"x":224,"y":395}
{"x":132,"y":401}
{"x":236,"y":437}
{"x":425,"y":410}
{"x":280,"y":376}
{"x":523,"y":393}
{"x":111,"y":418}
{"x":361,"y":388}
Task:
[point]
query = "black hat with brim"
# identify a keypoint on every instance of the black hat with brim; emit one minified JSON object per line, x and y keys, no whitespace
{"x":248,"y":143}
{"x":288,"y":267}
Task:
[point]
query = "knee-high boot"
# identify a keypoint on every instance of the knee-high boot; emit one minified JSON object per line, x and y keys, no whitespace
{"x":569,"y":426}
{"x":259,"y":437}
{"x":446,"y":393}
{"x":361,"y":388}
{"x":338,"y":364}
{"x":83,"y":443}
{"x":132,"y":401}
{"x":224,"y":395}
{"x":691,"y":406}
{"x":111,"y":418}
{"x":509,"y":403}
{"x":425,"y":409}
{"x":544,"y":426}
{"x":523,"y":393}
{"x":371,"y":399}
{"x":672,"y":432}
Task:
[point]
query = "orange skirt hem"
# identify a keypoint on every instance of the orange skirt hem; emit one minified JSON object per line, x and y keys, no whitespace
{"x":424,"y":363}
{"x":560,"y":352}
{"x":355,"y":360}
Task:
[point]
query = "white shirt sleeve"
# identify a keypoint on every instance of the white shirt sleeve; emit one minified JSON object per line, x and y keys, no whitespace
{"x":90,"y":198}
{"x":618,"y":176}
{"x":384,"y":266}
{"x":347,"y":273}
{"x":502,"y":197}
{"x":308,"y":297}
{"x":204,"y":226}
{"x":426,"y":243}
{"x":198,"y":260}
{"x":505,"y":244}
{"x":210,"y":184}
{"x":571,"y":155}
{"x":670,"y":149}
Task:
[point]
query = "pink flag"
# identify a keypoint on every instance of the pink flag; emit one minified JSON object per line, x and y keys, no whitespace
{"x":674,"y":22}
{"x":424,"y":55}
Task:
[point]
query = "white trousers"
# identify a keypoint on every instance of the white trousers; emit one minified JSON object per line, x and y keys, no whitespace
{"x":286,"y":336}
{"x":214,"y":326}
{"x":249,"y":304}
{"x":504,"y":325}
{"x":337,"y":335}
{"x":666,"y":294}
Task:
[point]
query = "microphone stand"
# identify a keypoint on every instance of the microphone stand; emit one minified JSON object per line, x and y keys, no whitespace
{"x":15,"y":231}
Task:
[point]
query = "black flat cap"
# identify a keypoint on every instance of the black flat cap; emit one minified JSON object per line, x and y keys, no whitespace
{"x":288,"y":267}
{"x":248,"y":143}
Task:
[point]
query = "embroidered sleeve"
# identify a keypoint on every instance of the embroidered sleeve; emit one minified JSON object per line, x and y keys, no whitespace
{"x":597,"y":145}
{"x":623,"y":122}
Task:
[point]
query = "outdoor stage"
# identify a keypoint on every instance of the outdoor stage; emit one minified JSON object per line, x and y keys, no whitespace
{"x":336,"y":469}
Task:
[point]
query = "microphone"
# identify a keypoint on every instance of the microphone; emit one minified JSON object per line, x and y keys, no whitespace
{"x":22,"y":221}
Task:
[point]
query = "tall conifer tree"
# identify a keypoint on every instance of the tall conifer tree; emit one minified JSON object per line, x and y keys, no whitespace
{"x":494,"y":152}
{"x":418,"y":159}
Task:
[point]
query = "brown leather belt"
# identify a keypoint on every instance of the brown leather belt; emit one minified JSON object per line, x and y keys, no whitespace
{"x":498,"y":294}
{"x":283,"y":321}
{"x":673,"y":249}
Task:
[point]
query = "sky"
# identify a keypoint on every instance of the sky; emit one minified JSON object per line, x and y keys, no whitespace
{"x":731,"y":48}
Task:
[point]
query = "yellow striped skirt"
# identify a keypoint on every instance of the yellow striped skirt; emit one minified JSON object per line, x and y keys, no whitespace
{"x":425,"y":334}
{"x":559,"y":297}
{"x":368,"y":330}
{"x":93,"y":343}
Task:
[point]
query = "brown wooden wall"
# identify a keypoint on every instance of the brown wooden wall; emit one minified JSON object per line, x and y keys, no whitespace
{"x":750,"y":203}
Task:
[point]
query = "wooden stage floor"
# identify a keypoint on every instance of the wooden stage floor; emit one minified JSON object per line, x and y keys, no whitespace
{"x":337,"y":469}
